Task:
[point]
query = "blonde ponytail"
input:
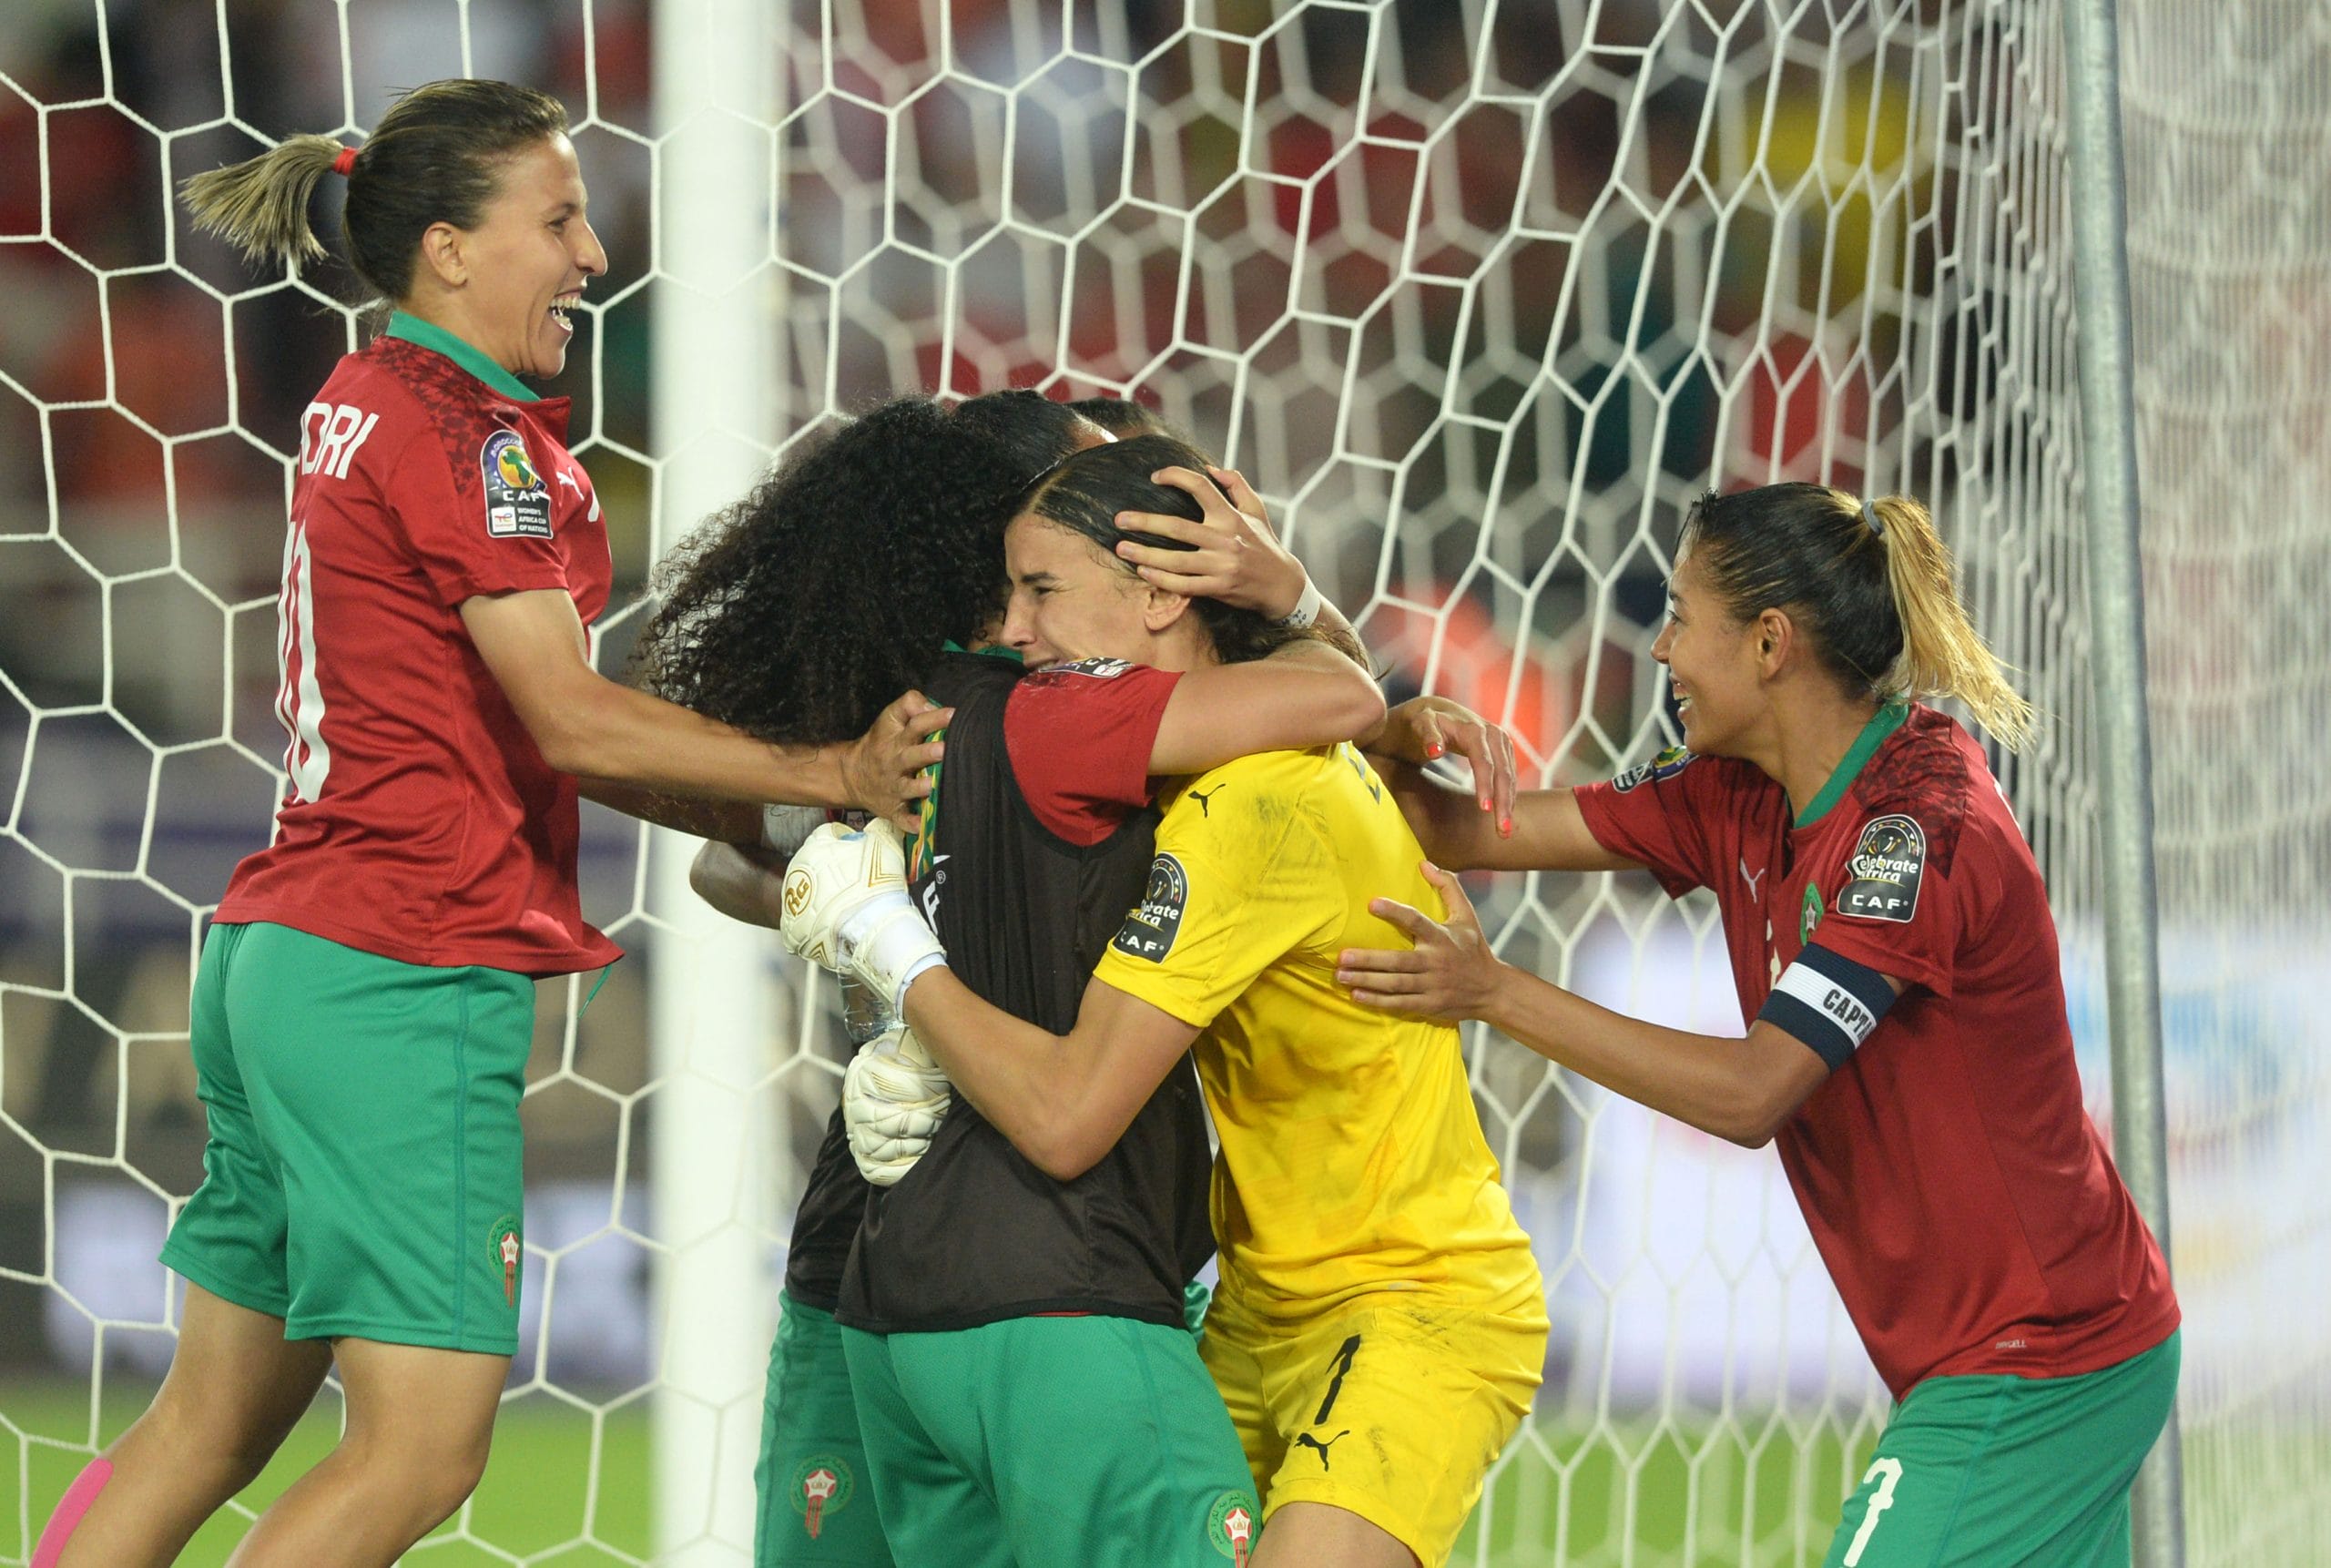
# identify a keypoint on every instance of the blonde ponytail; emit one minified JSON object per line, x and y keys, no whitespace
{"x":260,"y":205}
{"x":1942,"y":653}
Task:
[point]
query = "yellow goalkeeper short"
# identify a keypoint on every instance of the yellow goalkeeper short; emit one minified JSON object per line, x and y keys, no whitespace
{"x":1392,"y":1405}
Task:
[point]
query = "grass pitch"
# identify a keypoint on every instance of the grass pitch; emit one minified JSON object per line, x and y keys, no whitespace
{"x":569,"y":1485}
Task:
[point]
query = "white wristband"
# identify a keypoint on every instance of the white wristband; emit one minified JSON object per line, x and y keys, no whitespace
{"x":912,"y":971}
{"x":1307,"y":608}
{"x":886,"y":944}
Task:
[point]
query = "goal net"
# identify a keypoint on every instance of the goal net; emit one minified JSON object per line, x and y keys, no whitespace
{"x":2227,"y":112}
{"x":1480,"y":294}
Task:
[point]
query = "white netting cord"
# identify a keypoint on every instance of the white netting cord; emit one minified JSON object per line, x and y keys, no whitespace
{"x":2227,"y":113}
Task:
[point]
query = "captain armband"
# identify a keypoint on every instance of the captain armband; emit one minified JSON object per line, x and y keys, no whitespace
{"x":1828,"y":1003}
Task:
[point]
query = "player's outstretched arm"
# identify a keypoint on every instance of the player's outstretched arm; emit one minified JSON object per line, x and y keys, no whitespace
{"x":725,"y":821}
{"x":1424,"y":730}
{"x":1302,"y":694}
{"x":597,"y":729}
{"x":1741,"y":1090}
{"x":1548,"y":832}
{"x":1063,"y":1100}
{"x":743,"y":882}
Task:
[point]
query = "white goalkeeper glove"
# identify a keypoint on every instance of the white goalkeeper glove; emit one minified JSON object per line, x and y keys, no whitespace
{"x":893,"y":1098}
{"x":847,"y":909}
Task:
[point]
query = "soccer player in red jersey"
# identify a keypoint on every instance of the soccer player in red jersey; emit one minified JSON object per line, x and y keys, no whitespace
{"x":365,"y":1004}
{"x":1891,"y":939}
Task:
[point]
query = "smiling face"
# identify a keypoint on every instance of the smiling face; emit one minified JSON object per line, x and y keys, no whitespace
{"x":513,"y":279}
{"x":1070,"y":599}
{"x":1712,"y":662}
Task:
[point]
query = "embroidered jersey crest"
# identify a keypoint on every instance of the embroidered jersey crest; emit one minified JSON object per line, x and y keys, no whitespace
{"x":1098,"y":668}
{"x":1884,"y":871}
{"x":822,"y":1485}
{"x":1230,"y":1526}
{"x":1666,"y":765}
{"x":507,"y":1252}
{"x":517,"y":502}
{"x":1151,"y":926}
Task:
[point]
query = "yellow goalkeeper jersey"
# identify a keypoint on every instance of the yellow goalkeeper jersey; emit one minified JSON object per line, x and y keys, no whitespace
{"x":1351,"y":1159}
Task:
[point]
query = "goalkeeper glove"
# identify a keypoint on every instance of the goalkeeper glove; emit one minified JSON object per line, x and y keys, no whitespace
{"x":847,"y":909}
{"x":893,"y":1098}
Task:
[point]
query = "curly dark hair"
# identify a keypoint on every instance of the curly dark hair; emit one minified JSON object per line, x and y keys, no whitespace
{"x":800,"y":610}
{"x":1084,"y":493}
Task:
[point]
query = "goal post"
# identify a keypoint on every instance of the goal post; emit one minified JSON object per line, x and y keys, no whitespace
{"x":716,"y":1022}
{"x":2107,"y":389}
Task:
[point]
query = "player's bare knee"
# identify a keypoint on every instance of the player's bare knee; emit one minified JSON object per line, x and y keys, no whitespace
{"x":213,"y":1445}
{"x":417,"y":1477}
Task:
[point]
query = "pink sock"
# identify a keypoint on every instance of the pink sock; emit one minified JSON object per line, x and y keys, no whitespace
{"x":70,"y":1509}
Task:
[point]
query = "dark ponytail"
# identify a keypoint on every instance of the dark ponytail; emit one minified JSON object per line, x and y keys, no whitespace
{"x":1086,"y":494}
{"x":1867,"y":582}
{"x":435,"y":157}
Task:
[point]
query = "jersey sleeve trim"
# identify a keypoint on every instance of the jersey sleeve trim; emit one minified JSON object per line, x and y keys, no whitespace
{"x":1828,"y":1003}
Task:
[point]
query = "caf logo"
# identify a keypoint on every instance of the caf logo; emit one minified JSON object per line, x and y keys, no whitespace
{"x":516,"y":471}
{"x":797,"y":894}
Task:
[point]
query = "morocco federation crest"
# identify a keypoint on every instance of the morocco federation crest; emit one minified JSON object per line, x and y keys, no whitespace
{"x":1230,"y":1525}
{"x":507,"y":1253}
{"x":822,"y":1485}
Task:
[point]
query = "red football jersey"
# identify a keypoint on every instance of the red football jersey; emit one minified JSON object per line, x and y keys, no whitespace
{"x":1948,"y":1172}
{"x":421,"y":822}
{"x":1080,"y":736}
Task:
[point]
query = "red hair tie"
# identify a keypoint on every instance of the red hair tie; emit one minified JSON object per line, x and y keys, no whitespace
{"x":343,"y":162}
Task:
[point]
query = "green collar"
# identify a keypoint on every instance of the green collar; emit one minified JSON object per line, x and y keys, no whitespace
{"x":436,"y":339}
{"x":993,"y":650}
{"x":1883,"y":723}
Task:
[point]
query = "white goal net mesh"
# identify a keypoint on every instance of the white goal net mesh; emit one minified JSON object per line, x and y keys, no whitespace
{"x":1480,"y":294}
{"x":2227,"y":112}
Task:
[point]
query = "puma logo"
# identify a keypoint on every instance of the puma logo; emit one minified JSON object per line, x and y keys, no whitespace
{"x":1302,"y":1438}
{"x":1752,"y":882}
{"x":1201,"y":796}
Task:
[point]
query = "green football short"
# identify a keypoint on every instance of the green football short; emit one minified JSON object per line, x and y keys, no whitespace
{"x":812,"y":1505}
{"x":1052,"y":1443}
{"x":1993,"y":1472}
{"x":363,"y":1173}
